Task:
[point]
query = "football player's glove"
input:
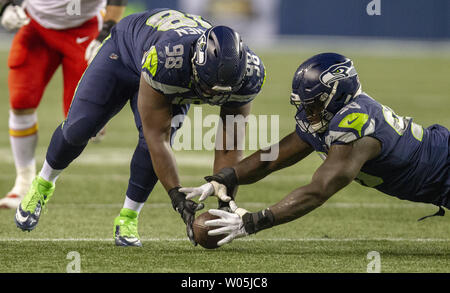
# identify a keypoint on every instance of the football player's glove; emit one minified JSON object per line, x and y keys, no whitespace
{"x":187,"y":210}
{"x":212,"y":188}
{"x":94,"y":45}
{"x":14,"y":17}
{"x":227,"y":177}
{"x":239,"y":223}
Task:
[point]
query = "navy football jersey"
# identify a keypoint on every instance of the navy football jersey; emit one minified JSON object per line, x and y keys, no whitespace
{"x":413,"y":163}
{"x":158,"y":45}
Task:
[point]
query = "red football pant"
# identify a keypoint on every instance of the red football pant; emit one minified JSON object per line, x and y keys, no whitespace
{"x":36,"y":52}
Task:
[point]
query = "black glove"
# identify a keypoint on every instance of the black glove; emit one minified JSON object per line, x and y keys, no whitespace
{"x":186,"y":208}
{"x":227,"y":177}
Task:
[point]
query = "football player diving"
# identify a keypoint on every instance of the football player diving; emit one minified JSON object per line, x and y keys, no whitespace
{"x":161,"y":61}
{"x":358,"y":138}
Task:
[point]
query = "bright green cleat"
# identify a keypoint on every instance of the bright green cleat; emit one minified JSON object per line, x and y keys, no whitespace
{"x":29,"y":210}
{"x":125,"y":228}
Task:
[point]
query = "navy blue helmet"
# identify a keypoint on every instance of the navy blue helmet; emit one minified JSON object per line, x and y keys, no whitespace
{"x":323,"y":85}
{"x":219,"y":64}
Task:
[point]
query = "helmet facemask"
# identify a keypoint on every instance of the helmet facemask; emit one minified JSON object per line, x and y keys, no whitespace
{"x":315,"y":108}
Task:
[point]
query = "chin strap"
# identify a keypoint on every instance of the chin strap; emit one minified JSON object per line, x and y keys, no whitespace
{"x":440,"y":212}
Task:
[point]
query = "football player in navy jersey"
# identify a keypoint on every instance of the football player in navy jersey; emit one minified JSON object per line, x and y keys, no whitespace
{"x":358,"y":138}
{"x":161,"y":61}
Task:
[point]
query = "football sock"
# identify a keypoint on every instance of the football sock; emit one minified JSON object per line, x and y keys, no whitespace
{"x":23,"y":131}
{"x":23,"y":135}
{"x":142,"y":176}
{"x":132,"y":205}
{"x":48,"y":173}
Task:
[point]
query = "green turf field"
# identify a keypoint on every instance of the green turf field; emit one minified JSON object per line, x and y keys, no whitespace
{"x":335,"y":238}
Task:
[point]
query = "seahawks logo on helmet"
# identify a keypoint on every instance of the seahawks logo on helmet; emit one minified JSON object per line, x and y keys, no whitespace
{"x":337,"y":72}
{"x":201,"y":50}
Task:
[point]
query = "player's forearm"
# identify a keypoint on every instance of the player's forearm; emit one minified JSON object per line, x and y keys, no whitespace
{"x":229,"y":148}
{"x":290,"y":150}
{"x":296,"y":204}
{"x":326,"y":181}
{"x":3,"y":4}
{"x":229,"y":152}
{"x":114,"y":12}
{"x":164,"y":163}
{"x":223,"y":159}
{"x":253,"y":169}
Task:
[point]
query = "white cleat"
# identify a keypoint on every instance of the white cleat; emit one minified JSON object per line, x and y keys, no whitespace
{"x":24,"y":178}
{"x":10,"y":201}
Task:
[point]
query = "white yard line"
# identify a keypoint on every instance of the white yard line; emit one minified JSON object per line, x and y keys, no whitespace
{"x":338,"y":205}
{"x":245,"y":239}
{"x":115,"y":156}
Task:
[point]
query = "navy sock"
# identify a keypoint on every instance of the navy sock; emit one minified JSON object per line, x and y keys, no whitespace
{"x":142,"y":176}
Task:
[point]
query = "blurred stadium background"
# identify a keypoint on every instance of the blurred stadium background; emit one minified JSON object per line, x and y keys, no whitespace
{"x":403,"y":58}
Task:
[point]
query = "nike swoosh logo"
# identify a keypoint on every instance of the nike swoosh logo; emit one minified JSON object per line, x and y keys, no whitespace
{"x":131,"y":239}
{"x":20,"y":218}
{"x":350,"y":122}
{"x":82,"y":40}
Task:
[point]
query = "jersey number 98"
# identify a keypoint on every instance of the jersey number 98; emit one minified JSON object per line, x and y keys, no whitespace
{"x":172,"y":19}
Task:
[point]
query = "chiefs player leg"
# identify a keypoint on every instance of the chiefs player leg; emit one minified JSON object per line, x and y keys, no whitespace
{"x":32,"y":63}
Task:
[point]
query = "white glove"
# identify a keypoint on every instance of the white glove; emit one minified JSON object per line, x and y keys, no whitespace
{"x":14,"y":17}
{"x":230,"y":223}
{"x":91,"y":50}
{"x":212,"y":188}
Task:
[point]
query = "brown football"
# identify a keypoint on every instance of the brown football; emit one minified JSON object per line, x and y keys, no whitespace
{"x":201,"y":231}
